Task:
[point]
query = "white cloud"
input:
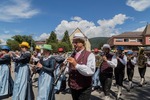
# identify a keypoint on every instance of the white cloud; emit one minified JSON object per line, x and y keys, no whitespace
{"x":139,"y":5}
{"x":16,"y":9}
{"x":5,"y":37}
{"x":3,"y":42}
{"x":76,"y":18}
{"x":141,"y":29}
{"x":143,"y":22}
{"x":43,"y":36}
{"x":105,"y":28}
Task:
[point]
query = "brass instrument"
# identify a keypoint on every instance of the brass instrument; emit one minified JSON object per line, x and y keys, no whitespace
{"x":130,"y":58}
{"x":119,"y":54}
{"x":141,"y":59}
{"x":101,"y":61}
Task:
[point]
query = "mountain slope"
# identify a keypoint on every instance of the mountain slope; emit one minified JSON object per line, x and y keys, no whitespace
{"x":98,"y":42}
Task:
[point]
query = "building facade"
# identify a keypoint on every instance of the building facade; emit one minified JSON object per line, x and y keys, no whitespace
{"x":131,"y":40}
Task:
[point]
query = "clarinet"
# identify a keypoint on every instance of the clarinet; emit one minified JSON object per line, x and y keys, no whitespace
{"x":63,"y":67}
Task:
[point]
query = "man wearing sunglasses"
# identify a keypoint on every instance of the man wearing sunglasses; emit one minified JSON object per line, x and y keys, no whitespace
{"x":81,"y":69}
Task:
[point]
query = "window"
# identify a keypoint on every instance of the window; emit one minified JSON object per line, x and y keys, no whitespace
{"x":126,"y":40}
{"x":149,"y":39}
{"x":139,"y":40}
{"x":133,"y":40}
{"x":119,"y":40}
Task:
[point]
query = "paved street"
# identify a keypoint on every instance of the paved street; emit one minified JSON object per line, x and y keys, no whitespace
{"x":137,"y":93}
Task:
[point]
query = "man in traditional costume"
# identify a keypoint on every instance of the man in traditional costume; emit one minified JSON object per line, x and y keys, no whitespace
{"x":95,"y":78}
{"x":81,"y":69}
{"x":131,"y":61}
{"x":120,"y":69}
{"x":108,"y":62}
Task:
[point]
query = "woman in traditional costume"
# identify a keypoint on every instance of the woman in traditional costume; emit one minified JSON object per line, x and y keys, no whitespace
{"x":46,"y":77}
{"x":22,"y":88}
{"x":6,"y":82}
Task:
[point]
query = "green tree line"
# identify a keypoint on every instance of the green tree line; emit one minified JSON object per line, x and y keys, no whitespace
{"x":52,"y":40}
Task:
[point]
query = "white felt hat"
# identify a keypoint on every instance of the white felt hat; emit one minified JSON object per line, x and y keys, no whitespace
{"x":79,"y":35}
{"x":106,"y":46}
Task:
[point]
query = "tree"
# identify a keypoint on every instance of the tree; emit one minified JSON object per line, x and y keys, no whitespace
{"x":52,"y":38}
{"x":26,"y":38}
{"x":54,"y":47}
{"x":18,"y":39}
{"x":14,"y":45}
{"x":64,"y":45}
{"x":66,"y":39}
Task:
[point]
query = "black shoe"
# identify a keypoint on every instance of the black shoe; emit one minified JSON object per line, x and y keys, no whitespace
{"x":140,"y":85}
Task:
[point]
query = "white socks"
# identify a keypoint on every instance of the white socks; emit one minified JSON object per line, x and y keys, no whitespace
{"x":142,"y":81}
{"x":107,"y":98}
{"x":130,"y":84}
{"x":119,"y":91}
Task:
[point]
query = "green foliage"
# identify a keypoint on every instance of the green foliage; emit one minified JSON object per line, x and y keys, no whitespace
{"x":98,"y":42}
{"x":67,"y":40}
{"x":66,"y":37}
{"x":26,"y":38}
{"x":52,"y":38}
{"x":14,"y":45}
{"x":54,"y":47}
{"x":64,"y":45}
{"x":18,"y":39}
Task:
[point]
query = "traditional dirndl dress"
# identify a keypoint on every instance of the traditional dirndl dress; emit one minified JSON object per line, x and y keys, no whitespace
{"x":6,"y":82}
{"x":46,"y":79}
{"x":22,"y":78}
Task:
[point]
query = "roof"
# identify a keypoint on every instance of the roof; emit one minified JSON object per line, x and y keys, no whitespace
{"x":40,"y":42}
{"x":135,"y":34}
{"x":130,"y":34}
{"x":146,"y":30}
{"x":77,"y":30}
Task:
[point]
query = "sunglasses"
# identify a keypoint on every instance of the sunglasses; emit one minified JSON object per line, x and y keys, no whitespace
{"x":23,"y":47}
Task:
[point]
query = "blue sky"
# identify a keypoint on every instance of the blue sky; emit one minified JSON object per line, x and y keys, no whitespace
{"x":95,"y":18}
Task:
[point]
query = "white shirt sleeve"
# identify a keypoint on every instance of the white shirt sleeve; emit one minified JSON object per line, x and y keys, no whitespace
{"x":89,"y":69}
{"x":133,"y":61}
{"x":113,"y":62}
{"x":35,"y":59}
{"x":39,"y":55}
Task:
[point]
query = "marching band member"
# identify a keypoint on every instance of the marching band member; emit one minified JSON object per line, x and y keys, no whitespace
{"x":96,"y":81}
{"x":35,"y":58}
{"x":22,"y":74}
{"x":81,"y":69}
{"x":46,"y":77}
{"x":108,"y":62}
{"x":141,"y":62}
{"x":38,"y":50}
{"x":120,"y":69}
{"x":131,"y":61}
{"x":61,"y":84}
{"x":6,"y":82}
